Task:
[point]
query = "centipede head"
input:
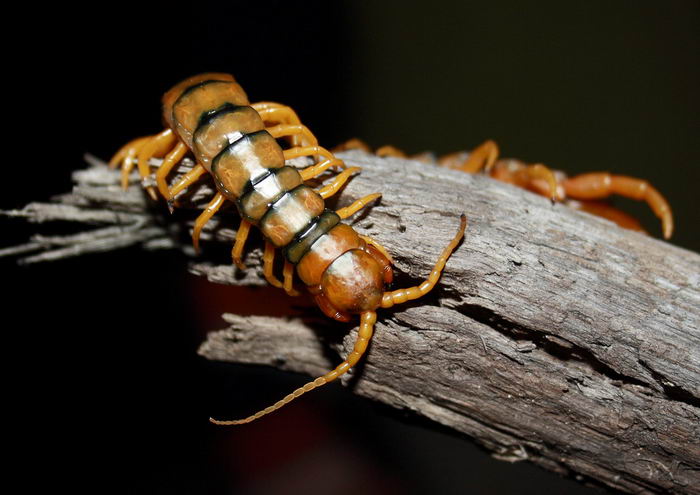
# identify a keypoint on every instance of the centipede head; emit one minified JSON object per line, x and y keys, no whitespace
{"x":354,"y":282}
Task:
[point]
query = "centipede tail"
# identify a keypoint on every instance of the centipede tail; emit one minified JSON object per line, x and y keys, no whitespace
{"x":579,"y":192}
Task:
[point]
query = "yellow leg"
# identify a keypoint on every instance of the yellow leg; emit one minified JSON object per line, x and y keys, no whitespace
{"x":364,"y":335}
{"x":288,"y":274}
{"x":157,"y":146}
{"x":608,"y":212}
{"x":353,"y":144}
{"x":272,"y":112}
{"x":337,"y":183}
{"x":533,"y":175}
{"x":126,"y":157}
{"x":276,"y":112}
{"x":188,"y":179}
{"x":205,"y":216}
{"x":536,"y":178}
{"x":170,"y":160}
{"x":411,"y":293}
{"x":389,"y":150}
{"x":241,"y":236}
{"x":130,"y":148}
{"x":482,"y":157}
{"x":293,"y":130}
{"x":268,"y":264}
{"x":319,"y":168}
{"x":357,"y":205}
{"x":598,"y":185}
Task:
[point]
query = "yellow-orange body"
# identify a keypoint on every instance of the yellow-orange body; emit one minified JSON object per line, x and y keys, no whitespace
{"x":236,"y":143}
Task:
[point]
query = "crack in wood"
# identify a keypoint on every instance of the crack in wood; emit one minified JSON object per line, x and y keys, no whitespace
{"x":672,"y":391}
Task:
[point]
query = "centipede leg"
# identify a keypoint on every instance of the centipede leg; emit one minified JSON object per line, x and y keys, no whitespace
{"x":353,"y":144}
{"x":170,"y":160}
{"x":187,"y":180}
{"x":131,"y":147}
{"x":408,"y":294}
{"x":608,"y":212}
{"x":292,"y":130}
{"x":340,"y":179}
{"x":482,"y":157}
{"x":364,"y":335}
{"x":205,"y":216}
{"x":319,"y":168}
{"x":388,"y":150}
{"x":288,"y":274}
{"x":536,"y":178}
{"x":600,"y":185}
{"x":541,"y":174}
{"x":126,"y":156}
{"x":157,"y":146}
{"x":241,"y":237}
{"x":276,"y":112}
{"x":268,"y":265}
{"x":357,"y":205}
{"x":282,"y":114}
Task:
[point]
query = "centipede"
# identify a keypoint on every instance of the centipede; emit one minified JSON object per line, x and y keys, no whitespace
{"x":583,"y":192}
{"x":237,"y":144}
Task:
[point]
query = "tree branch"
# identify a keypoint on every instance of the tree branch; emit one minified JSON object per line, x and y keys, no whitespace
{"x":553,"y":336}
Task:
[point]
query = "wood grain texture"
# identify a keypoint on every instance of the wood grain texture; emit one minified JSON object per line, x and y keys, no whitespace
{"x":553,"y":336}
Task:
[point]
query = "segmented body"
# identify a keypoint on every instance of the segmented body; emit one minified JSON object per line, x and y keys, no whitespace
{"x":231,"y":140}
{"x":227,"y":136}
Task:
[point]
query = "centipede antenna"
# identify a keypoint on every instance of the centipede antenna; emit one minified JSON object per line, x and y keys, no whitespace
{"x":364,"y":334}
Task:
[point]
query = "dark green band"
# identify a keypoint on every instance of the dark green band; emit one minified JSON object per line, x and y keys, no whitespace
{"x":302,"y":242}
{"x":191,"y":89}
{"x":209,"y":116}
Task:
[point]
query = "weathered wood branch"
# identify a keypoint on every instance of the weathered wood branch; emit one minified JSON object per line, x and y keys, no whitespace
{"x":553,"y":336}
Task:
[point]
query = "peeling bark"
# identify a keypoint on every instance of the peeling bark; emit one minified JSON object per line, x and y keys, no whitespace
{"x":553,"y":336}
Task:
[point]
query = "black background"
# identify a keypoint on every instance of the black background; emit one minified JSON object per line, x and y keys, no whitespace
{"x":102,"y":400}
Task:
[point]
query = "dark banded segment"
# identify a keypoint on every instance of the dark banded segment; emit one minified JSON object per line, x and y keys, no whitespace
{"x":176,"y":91}
{"x":254,"y":204}
{"x":199,"y":99}
{"x":302,"y":242}
{"x":291,"y":214}
{"x":221,"y":127}
{"x":210,"y":115}
{"x":246,"y":162}
{"x":325,"y":250}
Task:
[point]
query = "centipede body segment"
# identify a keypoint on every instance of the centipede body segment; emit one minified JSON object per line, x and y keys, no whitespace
{"x":236,"y":144}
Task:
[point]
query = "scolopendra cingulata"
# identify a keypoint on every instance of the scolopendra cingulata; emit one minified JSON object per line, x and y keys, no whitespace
{"x":580,"y":192}
{"x":236,"y":143}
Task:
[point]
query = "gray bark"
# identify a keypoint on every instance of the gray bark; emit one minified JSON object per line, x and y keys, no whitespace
{"x":553,"y":336}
